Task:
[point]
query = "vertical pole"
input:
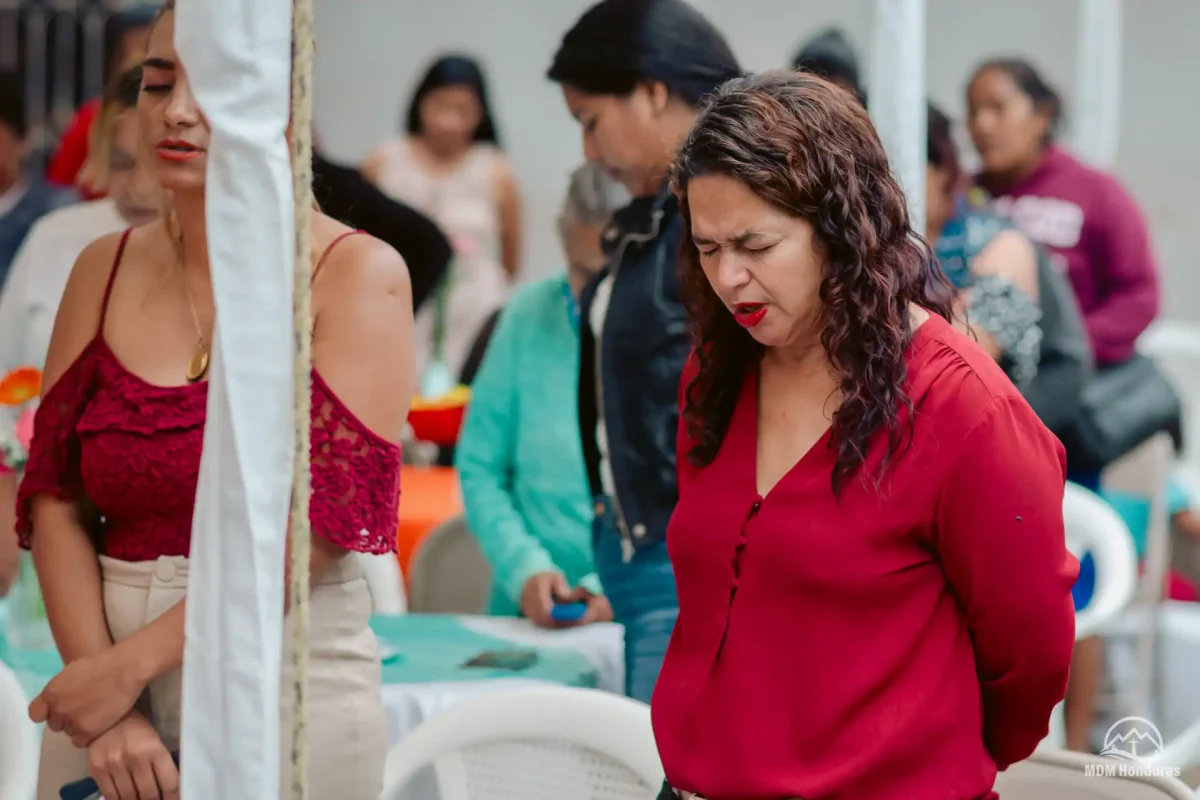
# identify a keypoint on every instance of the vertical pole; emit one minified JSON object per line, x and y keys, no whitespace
{"x":1097,"y":112}
{"x":302,"y":110}
{"x":897,"y":96}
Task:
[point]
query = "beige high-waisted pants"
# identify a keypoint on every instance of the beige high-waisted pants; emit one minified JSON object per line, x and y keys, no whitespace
{"x":347,"y":729}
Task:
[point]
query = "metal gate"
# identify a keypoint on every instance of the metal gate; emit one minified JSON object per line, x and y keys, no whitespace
{"x":59,"y":52}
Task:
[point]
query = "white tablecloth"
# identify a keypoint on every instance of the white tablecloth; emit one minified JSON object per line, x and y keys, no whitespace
{"x":410,"y":704}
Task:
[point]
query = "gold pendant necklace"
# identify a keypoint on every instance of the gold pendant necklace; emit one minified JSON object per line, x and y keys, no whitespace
{"x":197,"y":366}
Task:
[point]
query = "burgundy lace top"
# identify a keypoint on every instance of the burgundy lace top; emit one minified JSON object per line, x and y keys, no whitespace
{"x":133,"y":449}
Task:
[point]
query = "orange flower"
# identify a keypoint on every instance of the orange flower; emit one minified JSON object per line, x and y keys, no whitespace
{"x":20,"y":386}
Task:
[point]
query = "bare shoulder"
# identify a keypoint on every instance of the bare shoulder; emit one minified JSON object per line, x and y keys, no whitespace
{"x":362,"y":338}
{"x":94,"y":264}
{"x":361,"y":268}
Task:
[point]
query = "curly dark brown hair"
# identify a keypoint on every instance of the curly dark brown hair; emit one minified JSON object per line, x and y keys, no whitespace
{"x":810,"y":149}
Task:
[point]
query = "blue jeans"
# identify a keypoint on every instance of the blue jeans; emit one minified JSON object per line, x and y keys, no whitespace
{"x":642,"y":594}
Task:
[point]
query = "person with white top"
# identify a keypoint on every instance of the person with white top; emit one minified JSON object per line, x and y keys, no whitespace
{"x":448,"y":165}
{"x":24,"y":197}
{"x":40,"y":269}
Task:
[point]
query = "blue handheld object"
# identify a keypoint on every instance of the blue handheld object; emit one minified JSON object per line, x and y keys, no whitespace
{"x":568,"y":612}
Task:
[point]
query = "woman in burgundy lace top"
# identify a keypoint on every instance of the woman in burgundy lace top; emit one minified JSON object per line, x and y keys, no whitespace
{"x":120,"y":431}
{"x":874,"y":590}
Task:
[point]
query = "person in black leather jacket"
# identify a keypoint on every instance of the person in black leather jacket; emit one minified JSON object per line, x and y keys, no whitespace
{"x":633,"y":74}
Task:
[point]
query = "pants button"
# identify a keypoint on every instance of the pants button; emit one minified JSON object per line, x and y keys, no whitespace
{"x":164,"y":570}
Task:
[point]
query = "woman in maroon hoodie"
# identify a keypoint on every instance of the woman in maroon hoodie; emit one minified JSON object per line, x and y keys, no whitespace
{"x":1095,"y":232}
{"x":1083,"y":215}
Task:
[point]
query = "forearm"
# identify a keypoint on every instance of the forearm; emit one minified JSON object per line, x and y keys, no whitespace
{"x":9,"y":554}
{"x":157,"y":647}
{"x":69,"y":574}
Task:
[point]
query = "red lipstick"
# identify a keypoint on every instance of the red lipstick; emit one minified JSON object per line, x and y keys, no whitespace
{"x":177,"y":150}
{"x":749,"y":314}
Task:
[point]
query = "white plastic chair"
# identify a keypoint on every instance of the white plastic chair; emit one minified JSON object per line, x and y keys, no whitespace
{"x":1092,"y":526}
{"x":18,"y":741}
{"x":385,"y":582}
{"x":539,"y":743}
{"x":1062,"y":775}
{"x":449,"y":573}
{"x":1144,"y":473}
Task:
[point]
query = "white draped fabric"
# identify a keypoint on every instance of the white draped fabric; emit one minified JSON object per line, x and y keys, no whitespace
{"x":896,"y":91}
{"x":1097,"y":108}
{"x":238,"y":57}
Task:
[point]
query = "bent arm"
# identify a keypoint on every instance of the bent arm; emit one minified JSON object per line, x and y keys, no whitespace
{"x":485,"y":458}
{"x":1011,"y":571}
{"x":510,"y":219}
{"x":1129,"y":280}
{"x":49,"y":519}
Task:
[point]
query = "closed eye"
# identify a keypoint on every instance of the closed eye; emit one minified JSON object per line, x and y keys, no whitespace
{"x":157,"y":88}
{"x":760,"y":250}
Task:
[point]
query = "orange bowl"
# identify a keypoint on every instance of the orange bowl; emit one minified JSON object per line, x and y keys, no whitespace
{"x":438,"y":425}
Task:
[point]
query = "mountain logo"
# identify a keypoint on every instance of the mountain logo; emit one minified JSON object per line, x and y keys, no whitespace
{"x":1132,"y":739}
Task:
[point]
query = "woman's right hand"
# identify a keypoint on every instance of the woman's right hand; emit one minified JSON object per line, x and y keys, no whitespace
{"x":541,"y":591}
{"x":130,"y":762}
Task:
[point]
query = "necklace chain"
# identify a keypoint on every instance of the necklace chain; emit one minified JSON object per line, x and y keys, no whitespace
{"x":197,"y":366}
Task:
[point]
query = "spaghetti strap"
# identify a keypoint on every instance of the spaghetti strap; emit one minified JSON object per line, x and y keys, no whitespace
{"x":328,"y":250}
{"x":112,"y":275}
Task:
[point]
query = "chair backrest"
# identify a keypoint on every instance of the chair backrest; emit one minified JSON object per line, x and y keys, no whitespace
{"x":537,"y":743}
{"x":1062,"y":775}
{"x":449,"y":574}
{"x":1144,"y":472}
{"x":1092,"y":526}
{"x":18,"y":741}
{"x":385,"y":582}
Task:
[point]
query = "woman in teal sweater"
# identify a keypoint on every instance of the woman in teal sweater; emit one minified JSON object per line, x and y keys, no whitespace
{"x":519,"y":459}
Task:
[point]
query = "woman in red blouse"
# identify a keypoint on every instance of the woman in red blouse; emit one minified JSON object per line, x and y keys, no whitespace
{"x":120,"y":431}
{"x":874,"y":591}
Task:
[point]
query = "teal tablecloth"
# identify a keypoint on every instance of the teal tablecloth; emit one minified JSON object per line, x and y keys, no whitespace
{"x":417,"y":648}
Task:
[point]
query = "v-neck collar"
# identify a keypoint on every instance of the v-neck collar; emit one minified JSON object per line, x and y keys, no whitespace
{"x":818,"y":461}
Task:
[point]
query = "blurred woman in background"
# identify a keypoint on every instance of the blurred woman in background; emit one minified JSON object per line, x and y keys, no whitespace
{"x":633,"y":73}
{"x":39,"y":273}
{"x":1008,"y":295}
{"x":524,"y":483}
{"x":448,"y":164}
{"x":1084,"y":216}
{"x":79,"y":159}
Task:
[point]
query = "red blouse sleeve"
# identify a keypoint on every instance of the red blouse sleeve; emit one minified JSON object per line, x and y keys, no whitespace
{"x":53,"y":464}
{"x":1000,"y":538}
{"x":355,"y":478}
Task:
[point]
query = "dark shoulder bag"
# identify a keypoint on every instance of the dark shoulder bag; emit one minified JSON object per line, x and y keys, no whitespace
{"x":1066,"y":363}
{"x":1121,"y":407}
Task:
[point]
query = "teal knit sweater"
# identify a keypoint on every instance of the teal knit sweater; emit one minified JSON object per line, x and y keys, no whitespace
{"x":524,"y":483}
